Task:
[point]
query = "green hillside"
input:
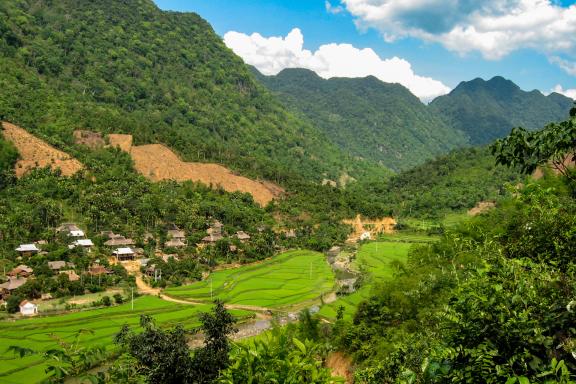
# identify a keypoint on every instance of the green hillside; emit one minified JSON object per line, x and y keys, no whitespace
{"x":128,"y":67}
{"x":454,"y":182}
{"x":488,"y":110}
{"x":366,"y":117}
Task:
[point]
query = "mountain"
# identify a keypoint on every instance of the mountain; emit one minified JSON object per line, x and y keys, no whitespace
{"x":366,"y":117}
{"x":487,"y":110}
{"x":164,"y":77}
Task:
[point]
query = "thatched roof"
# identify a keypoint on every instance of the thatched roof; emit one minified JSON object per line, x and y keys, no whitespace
{"x":241,"y":235}
{"x":175,"y":243}
{"x":13,"y":283}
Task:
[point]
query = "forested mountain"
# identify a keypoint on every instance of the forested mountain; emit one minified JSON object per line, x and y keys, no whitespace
{"x":487,"y":110}
{"x":128,"y":67}
{"x":366,"y":117}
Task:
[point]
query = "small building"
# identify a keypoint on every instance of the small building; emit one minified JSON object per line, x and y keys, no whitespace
{"x":290,"y":234}
{"x":242,"y":236}
{"x":67,"y":228}
{"x":98,"y":269}
{"x":212,"y":238}
{"x":176,"y":234}
{"x":124,"y":253}
{"x":72,"y":275}
{"x":56,"y":265}
{"x":76,"y":234}
{"x":28,"y":309}
{"x":119,"y":240}
{"x":365,"y":236}
{"x":22,"y":271}
{"x":85,"y":244}
{"x":27,"y":249}
{"x":46,"y":296}
{"x":12,"y":284}
{"x":175,"y":243}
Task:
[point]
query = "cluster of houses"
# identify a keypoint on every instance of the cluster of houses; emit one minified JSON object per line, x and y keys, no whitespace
{"x":122,"y":249}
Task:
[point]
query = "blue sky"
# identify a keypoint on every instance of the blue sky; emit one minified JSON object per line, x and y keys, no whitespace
{"x":441,"y":43}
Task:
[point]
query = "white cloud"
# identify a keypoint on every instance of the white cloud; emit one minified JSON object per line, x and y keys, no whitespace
{"x":571,"y":93}
{"x":494,"y":28}
{"x":568,"y":66}
{"x":333,"y":9}
{"x":271,"y":55}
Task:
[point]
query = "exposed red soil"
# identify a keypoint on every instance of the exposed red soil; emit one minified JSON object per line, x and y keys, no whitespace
{"x":158,"y":162}
{"x":35,"y":153}
{"x":340,"y":366}
{"x":375,"y":227}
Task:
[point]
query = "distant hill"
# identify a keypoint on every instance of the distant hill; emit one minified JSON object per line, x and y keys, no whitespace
{"x":487,"y":110}
{"x":366,"y":117}
{"x":164,"y":77}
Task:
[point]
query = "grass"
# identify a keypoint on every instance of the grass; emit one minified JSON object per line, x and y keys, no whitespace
{"x":290,"y":278}
{"x":34,"y":333}
{"x":377,"y":259}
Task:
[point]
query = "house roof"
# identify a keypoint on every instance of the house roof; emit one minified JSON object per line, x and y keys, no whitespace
{"x":241,"y":235}
{"x":24,"y":268}
{"x":123,"y":251}
{"x":26,"y":303}
{"x":212,"y":238}
{"x":121,"y":240}
{"x":175,"y":243}
{"x":56,"y":264}
{"x":67,"y":227}
{"x":27,"y":248}
{"x":177,"y":234}
{"x":84,"y":243}
{"x":13,"y":283}
{"x":72,"y":275}
{"x":76,"y":233}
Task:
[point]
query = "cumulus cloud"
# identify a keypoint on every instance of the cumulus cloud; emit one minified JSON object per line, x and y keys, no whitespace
{"x":494,"y":28}
{"x":568,"y":66}
{"x":571,"y":93}
{"x":272,"y":54}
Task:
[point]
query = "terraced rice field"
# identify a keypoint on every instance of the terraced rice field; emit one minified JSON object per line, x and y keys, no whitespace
{"x":35,"y":333}
{"x":290,"y":278}
{"x":378,"y":258}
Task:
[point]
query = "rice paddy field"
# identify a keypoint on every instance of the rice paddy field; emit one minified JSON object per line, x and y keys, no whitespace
{"x":378,"y":259}
{"x":287,"y":279}
{"x":35,"y":333}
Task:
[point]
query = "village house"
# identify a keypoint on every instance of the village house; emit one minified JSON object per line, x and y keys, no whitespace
{"x":242,"y":236}
{"x":124,"y":253}
{"x":212,"y":238}
{"x":71,"y":230}
{"x":12,"y":284}
{"x":97,"y":269}
{"x":175,"y":243}
{"x":177,"y":234}
{"x":28,"y":309}
{"x":118,"y":240}
{"x":72,"y":275}
{"x":27,"y":249}
{"x":22,"y":271}
{"x":85,"y":244}
{"x":56,"y":265}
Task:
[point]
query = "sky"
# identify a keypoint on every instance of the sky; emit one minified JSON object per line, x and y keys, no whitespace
{"x":429,"y":46}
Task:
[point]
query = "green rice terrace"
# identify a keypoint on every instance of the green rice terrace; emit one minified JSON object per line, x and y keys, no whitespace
{"x":291,"y":278}
{"x":377,"y":260}
{"x":104,"y":323}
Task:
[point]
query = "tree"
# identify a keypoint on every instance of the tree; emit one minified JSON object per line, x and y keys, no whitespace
{"x":13,"y":303}
{"x":553,"y":145}
{"x":162,"y":356}
{"x":213,"y":358}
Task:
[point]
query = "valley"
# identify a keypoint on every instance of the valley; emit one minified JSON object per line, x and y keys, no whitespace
{"x":185,"y":204}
